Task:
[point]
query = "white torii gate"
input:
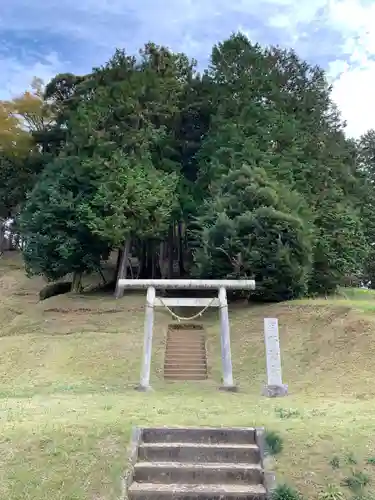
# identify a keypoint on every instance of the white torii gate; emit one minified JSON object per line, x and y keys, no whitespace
{"x":221,"y":302}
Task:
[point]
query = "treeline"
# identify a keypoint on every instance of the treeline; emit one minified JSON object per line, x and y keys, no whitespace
{"x":240,"y":171}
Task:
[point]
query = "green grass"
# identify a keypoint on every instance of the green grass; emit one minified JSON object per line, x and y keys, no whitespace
{"x":360,"y":299}
{"x":68,"y":367}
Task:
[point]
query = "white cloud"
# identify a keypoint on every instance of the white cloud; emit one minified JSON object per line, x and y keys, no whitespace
{"x":353,"y":74}
{"x":353,"y":92}
{"x":16,"y":77}
{"x":355,"y":79}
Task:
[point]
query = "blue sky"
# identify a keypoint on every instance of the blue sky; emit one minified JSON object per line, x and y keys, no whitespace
{"x":42,"y":38}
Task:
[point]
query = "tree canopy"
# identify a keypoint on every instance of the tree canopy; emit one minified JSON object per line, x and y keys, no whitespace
{"x":243,"y":170}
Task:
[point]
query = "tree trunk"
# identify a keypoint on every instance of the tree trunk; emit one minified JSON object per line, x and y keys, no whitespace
{"x":162,"y":261}
{"x":118,"y":263}
{"x":142,"y":259}
{"x":17,"y":240}
{"x":170,"y":251}
{"x":148,"y":260}
{"x":180,"y":250}
{"x":76,"y":283}
{"x":123,"y":267}
{"x":154,"y":261}
{"x":2,"y":237}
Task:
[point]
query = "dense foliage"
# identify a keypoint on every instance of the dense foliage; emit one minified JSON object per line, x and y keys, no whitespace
{"x":249,"y":229}
{"x":242,"y":171}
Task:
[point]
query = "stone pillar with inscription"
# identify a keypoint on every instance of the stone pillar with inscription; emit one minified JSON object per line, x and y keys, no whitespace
{"x":274,"y":386}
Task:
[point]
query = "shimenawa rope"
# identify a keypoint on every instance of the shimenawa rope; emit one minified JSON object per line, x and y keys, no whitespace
{"x":181,"y":318}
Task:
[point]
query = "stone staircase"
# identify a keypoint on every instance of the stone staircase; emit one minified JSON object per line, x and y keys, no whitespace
{"x":197,"y":464}
{"x":185,"y":353}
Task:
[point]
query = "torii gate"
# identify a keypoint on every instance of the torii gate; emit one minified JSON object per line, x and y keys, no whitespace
{"x":220,"y":301}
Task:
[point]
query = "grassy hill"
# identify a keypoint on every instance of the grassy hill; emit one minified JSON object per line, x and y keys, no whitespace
{"x":68,"y":366}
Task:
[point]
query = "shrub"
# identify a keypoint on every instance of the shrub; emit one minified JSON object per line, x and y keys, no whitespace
{"x":335,"y":462}
{"x":247,"y":230}
{"x":357,"y":481}
{"x":350,"y":459}
{"x":332,"y":492}
{"x":274,"y":442}
{"x":285,"y":492}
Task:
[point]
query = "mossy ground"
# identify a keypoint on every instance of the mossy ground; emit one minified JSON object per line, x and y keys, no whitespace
{"x":68,"y":367}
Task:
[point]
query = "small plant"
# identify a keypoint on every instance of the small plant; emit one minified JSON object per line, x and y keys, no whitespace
{"x":285,"y":492}
{"x":350,"y":459}
{"x":332,"y":493}
{"x":371,"y":461}
{"x":274,"y":442}
{"x":364,"y":496}
{"x":318,"y":413}
{"x":285,"y":413}
{"x":357,"y":481}
{"x":335,"y":462}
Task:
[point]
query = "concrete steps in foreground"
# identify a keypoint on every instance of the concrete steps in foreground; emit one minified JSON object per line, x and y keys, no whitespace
{"x":201,"y":452}
{"x":203,"y":473}
{"x":198,"y":464}
{"x":196,"y":492}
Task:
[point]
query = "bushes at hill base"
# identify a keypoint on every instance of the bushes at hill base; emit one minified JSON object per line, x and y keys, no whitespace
{"x":247,"y":230}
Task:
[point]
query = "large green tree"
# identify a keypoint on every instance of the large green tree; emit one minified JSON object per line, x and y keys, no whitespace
{"x":246,"y":168}
{"x":251,"y":228}
{"x":108,"y":177}
{"x":83,"y":207}
{"x":365,"y":174}
{"x":57,"y":241}
{"x":275,"y":111}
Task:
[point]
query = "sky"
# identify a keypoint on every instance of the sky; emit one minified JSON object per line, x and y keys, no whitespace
{"x":45,"y":37}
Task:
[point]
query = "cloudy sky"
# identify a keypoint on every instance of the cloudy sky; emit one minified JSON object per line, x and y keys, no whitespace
{"x":44,"y":37}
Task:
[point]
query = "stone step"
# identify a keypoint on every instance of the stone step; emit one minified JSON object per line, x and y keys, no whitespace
{"x":151,"y":491}
{"x":191,"y":334}
{"x":186,"y":335}
{"x":181,"y":369}
{"x":181,"y":353}
{"x":196,"y":360}
{"x":200,"y":360}
{"x":185,"y":348}
{"x":190,"y":340}
{"x":179,"y":350}
{"x":176,"y":364}
{"x":185,"y":376}
{"x":199,"y":364}
{"x":207,"y":435}
{"x":185,"y":363}
{"x":187,"y":342}
{"x":186,"y":331}
{"x":198,"y":452}
{"x":201,"y":473}
{"x":185,"y":354}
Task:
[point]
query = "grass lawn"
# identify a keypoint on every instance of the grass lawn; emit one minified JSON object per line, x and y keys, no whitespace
{"x":68,"y":366}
